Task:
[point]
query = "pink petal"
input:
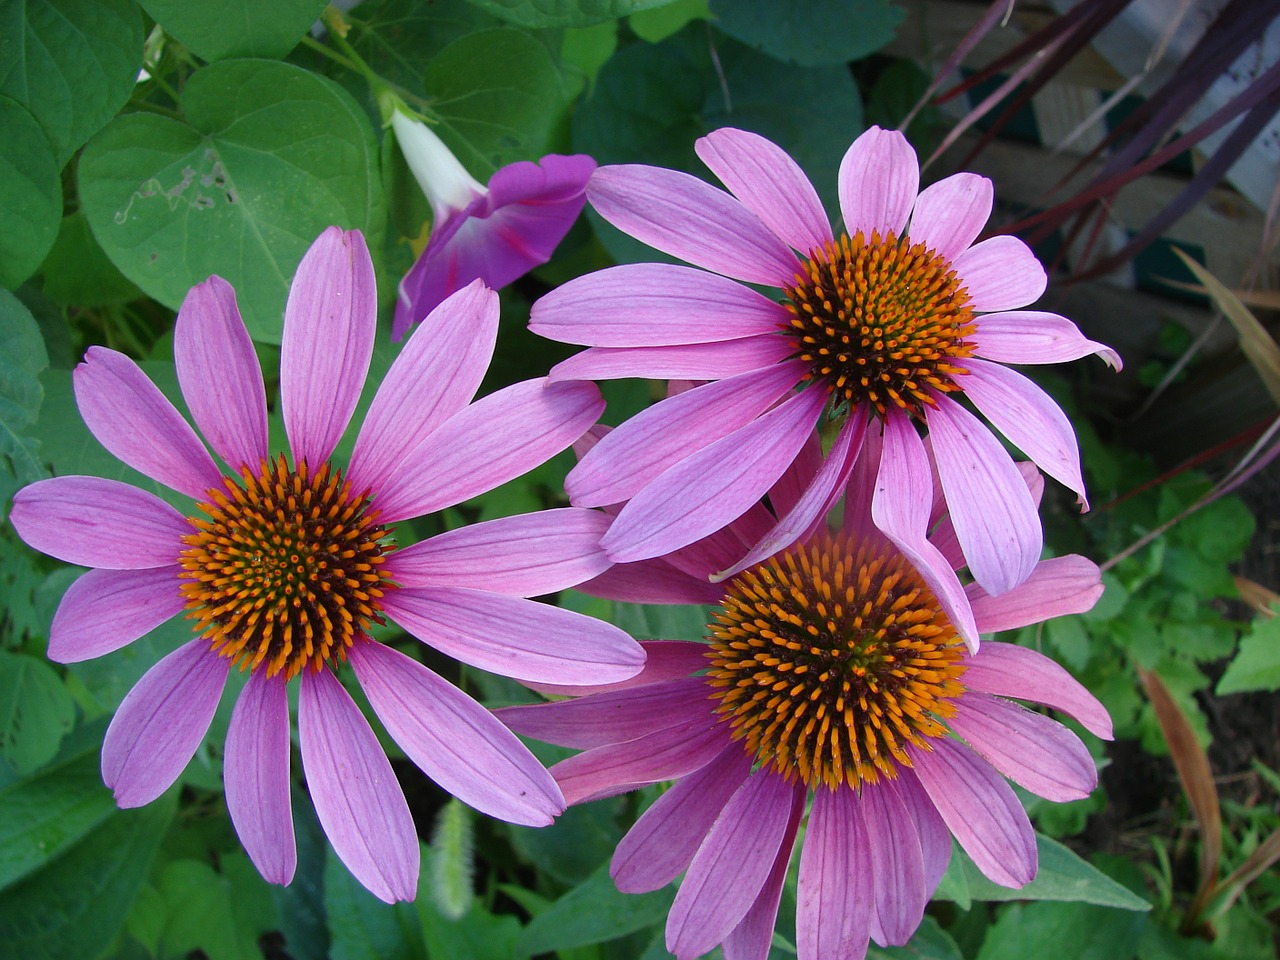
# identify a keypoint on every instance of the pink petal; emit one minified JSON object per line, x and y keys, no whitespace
{"x":357,"y":798}
{"x":795,"y":480}
{"x":836,"y":890}
{"x":769,"y":183}
{"x":329,"y":323}
{"x":860,"y":490}
{"x":681,"y":215}
{"x":752,"y":937}
{"x":731,"y":866}
{"x":896,"y":864}
{"x":1029,"y":336}
{"x":219,"y":374}
{"x":943,"y":535}
{"x":455,"y":741}
{"x":1000,"y":273}
{"x":513,"y":637}
{"x":136,"y":422}
{"x":1030,"y":749}
{"x":900,"y":508}
{"x":1056,"y":588}
{"x":994,"y":515}
{"x":715,"y":485}
{"x":668,"y":834}
{"x":161,"y":722}
{"x":650,"y":581}
{"x":653,"y":304}
{"x":950,"y":214}
{"x":435,"y":376}
{"x":879,"y":179}
{"x":1029,"y":418}
{"x":625,"y":460}
{"x":934,"y":837}
{"x":980,"y":809}
{"x":692,"y":361}
{"x":256,"y":774}
{"x":664,"y":660}
{"x":613,"y":717}
{"x":495,"y":439}
{"x":1007,"y":670}
{"x":93,"y":522}
{"x":522,"y":556}
{"x":106,"y":609}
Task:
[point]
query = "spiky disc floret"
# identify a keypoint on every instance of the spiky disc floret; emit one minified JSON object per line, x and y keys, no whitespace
{"x":828,"y":661}
{"x":286,"y":569}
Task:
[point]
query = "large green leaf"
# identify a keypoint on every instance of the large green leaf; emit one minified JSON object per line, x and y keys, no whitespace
{"x":1071,"y":930}
{"x":217,"y":29}
{"x":270,"y":154}
{"x":1257,"y":665}
{"x":563,"y":13}
{"x":72,"y":63}
{"x":362,"y":925}
{"x":78,"y":273}
{"x":30,"y":194}
{"x":594,"y":912}
{"x":810,"y":32}
{"x":36,"y":711}
{"x":22,"y":358}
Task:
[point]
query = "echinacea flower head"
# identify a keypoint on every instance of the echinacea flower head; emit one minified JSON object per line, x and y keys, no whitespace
{"x":285,"y":563}
{"x":835,"y":680}
{"x":893,"y":320}
{"x":495,"y":233}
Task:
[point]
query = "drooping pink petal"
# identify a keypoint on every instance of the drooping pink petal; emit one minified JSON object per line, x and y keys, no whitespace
{"x":136,"y":422}
{"x":1000,"y":273}
{"x":1031,"y":336}
{"x":691,"y":361}
{"x":161,"y":722}
{"x":664,"y":660}
{"x":650,"y":581}
{"x":752,"y":937}
{"x":879,"y":179}
{"x":668,"y":834}
{"x":495,"y":439}
{"x":715,"y":485}
{"x":255,"y":771}
{"x":612,"y":717}
{"x":329,"y":323}
{"x":94,"y":522}
{"x":934,"y":837}
{"x":731,"y":866}
{"x":860,"y":491}
{"x":513,"y":637}
{"x":1033,"y":751}
{"x":949,"y":214}
{"x":836,"y":889}
{"x":653,"y":304}
{"x":1007,"y":670}
{"x":795,"y":480}
{"x":900,"y":509}
{"x":436,"y":375}
{"x":1057,"y":587}
{"x":769,"y":183}
{"x":896,"y":865}
{"x":522,"y":556}
{"x":943,"y":532}
{"x":625,"y":460}
{"x":219,"y":374}
{"x":106,"y":609}
{"x":455,"y":741}
{"x":980,"y":809}
{"x":994,"y":515}
{"x":1029,"y":418}
{"x":357,"y":798}
{"x":688,"y":218}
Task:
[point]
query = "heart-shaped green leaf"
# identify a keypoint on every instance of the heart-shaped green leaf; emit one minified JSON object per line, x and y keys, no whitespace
{"x":218,"y":29}
{"x":30,"y":194}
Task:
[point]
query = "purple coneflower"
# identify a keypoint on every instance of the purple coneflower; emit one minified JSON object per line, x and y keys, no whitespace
{"x":285,"y":564}
{"x":496,"y":233}
{"x":834,"y":677}
{"x":892,"y":320}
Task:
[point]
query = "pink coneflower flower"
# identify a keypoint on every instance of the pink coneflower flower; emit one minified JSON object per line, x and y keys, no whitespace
{"x":285,"y":564}
{"x":496,"y":233}
{"x":892,"y":320}
{"x":834,"y":677}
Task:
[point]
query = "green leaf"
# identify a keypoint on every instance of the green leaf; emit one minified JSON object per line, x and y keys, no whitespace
{"x":655,"y":25}
{"x":74,"y":907}
{"x":1071,"y":641}
{"x":563,"y":13}
{"x":77,"y":272}
{"x":929,"y":942}
{"x":43,"y":815}
{"x":22,"y":358}
{"x":810,"y":33}
{"x":72,"y":63}
{"x":594,"y":912}
{"x":204,"y":909}
{"x":30,"y":194}
{"x":497,"y":94}
{"x":218,"y":29}
{"x":1257,"y":664}
{"x":577,"y":843}
{"x":270,"y":155}
{"x":476,"y":935}
{"x":662,"y":621}
{"x":361,"y":925}
{"x":36,"y":711}
{"x":1077,"y":931}
{"x":1062,"y":876}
